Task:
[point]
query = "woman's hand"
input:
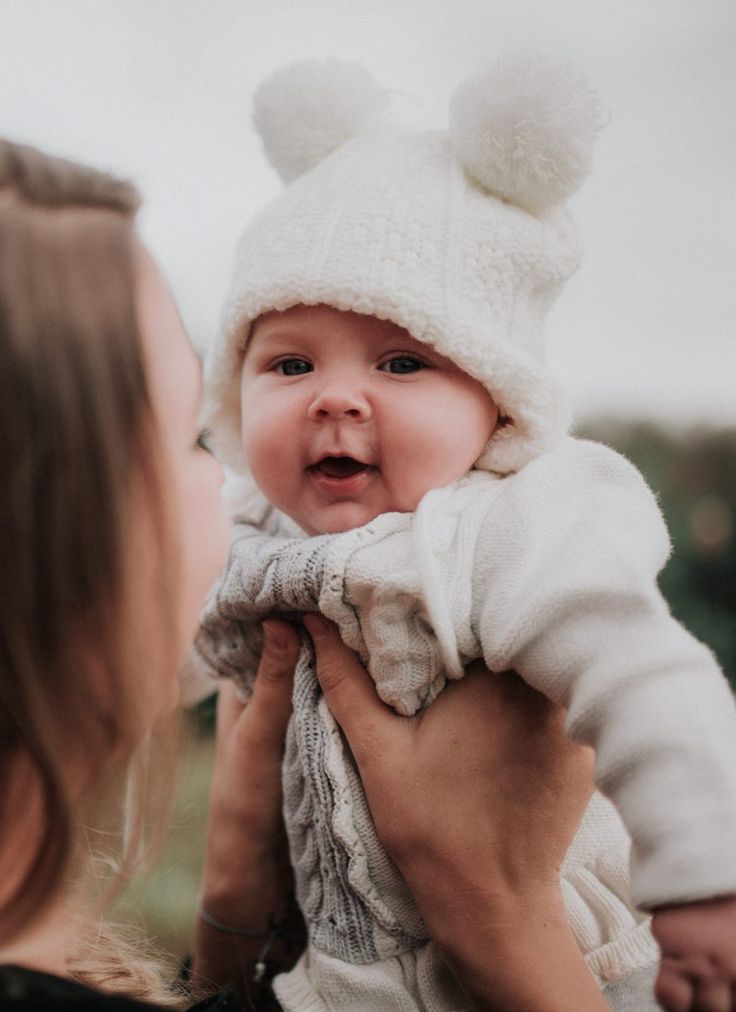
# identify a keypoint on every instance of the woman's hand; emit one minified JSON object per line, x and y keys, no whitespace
{"x":246,"y":881}
{"x":477,"y":799}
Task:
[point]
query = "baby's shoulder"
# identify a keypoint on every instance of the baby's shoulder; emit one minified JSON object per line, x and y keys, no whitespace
{"x":583,"y":489}
{"x":580,"y":467}
{"x":575,"y":479}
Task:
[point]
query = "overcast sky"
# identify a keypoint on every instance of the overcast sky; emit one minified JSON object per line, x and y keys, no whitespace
{"x":159,"y":90}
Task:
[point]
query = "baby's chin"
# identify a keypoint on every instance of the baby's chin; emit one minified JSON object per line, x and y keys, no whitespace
{"x":338,"y":518}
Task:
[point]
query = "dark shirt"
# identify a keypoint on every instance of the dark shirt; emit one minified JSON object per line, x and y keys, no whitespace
{"x":24,"y":990}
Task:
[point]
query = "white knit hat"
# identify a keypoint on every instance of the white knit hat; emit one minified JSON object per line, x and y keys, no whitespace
{"x":458,"y":236}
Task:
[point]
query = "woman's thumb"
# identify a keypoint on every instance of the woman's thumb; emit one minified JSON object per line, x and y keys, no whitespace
{"x":348,"y":689}
{"x":271,"y":700}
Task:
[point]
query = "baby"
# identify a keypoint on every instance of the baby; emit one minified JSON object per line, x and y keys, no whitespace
{"x":403,"y":463}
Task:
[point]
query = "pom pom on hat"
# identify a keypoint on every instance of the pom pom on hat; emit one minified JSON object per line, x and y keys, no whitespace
{"x":525,"y":130}
{"x":308,"y":109}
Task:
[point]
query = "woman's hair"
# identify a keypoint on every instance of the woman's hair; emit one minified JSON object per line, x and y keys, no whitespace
{"x":76,"y":438}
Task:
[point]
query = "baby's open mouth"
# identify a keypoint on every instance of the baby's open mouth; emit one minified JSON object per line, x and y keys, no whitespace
{"x":340,"y":467}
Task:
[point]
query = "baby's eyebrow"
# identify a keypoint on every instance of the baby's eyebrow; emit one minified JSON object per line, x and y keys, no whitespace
{"x":279,"y":334}
{"x":288,"y":339}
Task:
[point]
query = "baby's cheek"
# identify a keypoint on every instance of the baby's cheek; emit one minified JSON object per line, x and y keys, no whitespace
{"x":276,"y":470}
{"x":267,"y":477}
{"x":262,"y":433}
{"x":431,"y":470}
{"x":411,"y":484}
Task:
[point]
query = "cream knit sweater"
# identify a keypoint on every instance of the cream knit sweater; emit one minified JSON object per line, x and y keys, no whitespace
{"x":552,"y":572}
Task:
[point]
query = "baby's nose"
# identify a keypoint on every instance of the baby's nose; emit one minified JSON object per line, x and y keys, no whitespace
{"x":340,"y":400}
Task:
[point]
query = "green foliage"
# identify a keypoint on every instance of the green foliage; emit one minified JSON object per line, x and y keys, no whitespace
{"x":694,"y":476}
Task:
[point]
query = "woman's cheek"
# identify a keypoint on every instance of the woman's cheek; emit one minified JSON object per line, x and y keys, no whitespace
{"x":206,"y":535}
{"x":217,"y":523}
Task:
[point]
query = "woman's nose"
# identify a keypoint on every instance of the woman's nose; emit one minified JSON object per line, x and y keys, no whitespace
{"x":339,"y":400}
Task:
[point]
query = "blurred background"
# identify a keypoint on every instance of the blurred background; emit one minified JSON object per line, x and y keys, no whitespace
{"x":643,"y":336}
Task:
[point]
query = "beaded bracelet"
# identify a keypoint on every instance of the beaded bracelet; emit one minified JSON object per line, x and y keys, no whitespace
{"x":270,"y":934}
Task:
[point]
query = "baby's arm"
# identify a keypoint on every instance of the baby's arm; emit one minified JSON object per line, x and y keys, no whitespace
{"x":553,"y":572}
{"x":569,"y":556}
{"x":265,"y":575}
{"x":268,"y":574}
{"x":698,"y":969}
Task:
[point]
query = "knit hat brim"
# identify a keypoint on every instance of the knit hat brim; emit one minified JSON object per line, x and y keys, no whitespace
{"x":534,"y":410}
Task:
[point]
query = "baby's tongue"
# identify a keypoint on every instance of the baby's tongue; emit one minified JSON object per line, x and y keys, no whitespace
{"x":340,"y":467}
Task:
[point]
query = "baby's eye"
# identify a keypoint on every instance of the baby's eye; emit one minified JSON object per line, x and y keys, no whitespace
{"x":293,"y":367}
{"x":203,"y":441}
{"x":403,"y":364}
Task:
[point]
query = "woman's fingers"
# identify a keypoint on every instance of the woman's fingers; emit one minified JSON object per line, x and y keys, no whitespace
{"x":673,"y":990}
{"x":269,"y":708}
{"x":252,"y":736}
{"x":349,"y":692}
{"x":229,"y":708}
{"x":271,"y":691}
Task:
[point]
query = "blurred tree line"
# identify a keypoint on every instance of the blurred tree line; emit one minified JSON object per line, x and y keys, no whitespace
{"x":694,"y":476}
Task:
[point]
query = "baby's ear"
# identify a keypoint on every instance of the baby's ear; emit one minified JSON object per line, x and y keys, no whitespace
{"x":308,"y":109}
{"x":525,"y":129}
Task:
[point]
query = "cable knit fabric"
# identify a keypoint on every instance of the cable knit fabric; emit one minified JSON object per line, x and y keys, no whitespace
{"x":552,"y":572}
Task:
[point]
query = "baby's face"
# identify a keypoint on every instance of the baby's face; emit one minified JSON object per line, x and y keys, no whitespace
{"x":346,"y":416}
